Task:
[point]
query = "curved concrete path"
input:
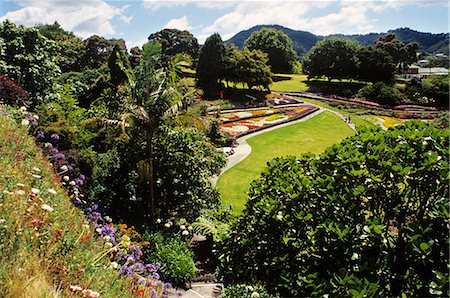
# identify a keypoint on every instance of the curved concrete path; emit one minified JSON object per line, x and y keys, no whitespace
{"x":242,"y":149}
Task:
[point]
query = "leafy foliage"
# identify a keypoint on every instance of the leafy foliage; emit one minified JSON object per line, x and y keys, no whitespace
{"x":278,"y":47}
{"x":368,"y":218}
{"x":183,"y":161}
{"x":70,"y":47}
{"x":98,"y":49}
{"x":211,"y":61}
{"x":177,"y":264}
{"x":381,"y":93}
{"x":434,"y":89}
{"x":11,"y":93}
{"x":402,"y":55}
{"x":334,"y":58}
{"x":174,"y":41}
{"x":29,"y":59}
{"x":248,"y":67}
{"x":244,"y":291}
{"x":375,"y":65}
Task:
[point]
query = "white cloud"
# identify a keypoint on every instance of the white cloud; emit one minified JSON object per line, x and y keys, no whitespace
{"x":349,"y":19}
{"x":346,"y":16}
{"x":180,"y":24}
{"x":84,"y":18}
{"x":213,"y":4}
{"x":157,"y":4}
{"x":139,"y":43}
{"x":248,"y":14}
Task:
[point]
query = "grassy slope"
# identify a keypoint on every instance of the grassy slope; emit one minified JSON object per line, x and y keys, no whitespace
{"x":43,"y":252}
{"x":293,"y":83}
{"x":311,"y":136}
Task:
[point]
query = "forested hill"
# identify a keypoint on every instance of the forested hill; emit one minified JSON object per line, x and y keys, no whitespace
{"x":303,"y":40}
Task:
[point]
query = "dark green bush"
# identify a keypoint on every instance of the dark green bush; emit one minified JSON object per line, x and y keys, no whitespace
{"x":368,"y":218}
{"x":380,"y":92}
{"x":244,"y":291}
{"x":174,"y":255}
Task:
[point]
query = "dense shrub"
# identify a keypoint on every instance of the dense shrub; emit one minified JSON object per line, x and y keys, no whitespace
{"x":183,"y":162}
{"x":29,"y":58}
{"x":381,"y":93}
{"x":11,"y":93}
{"x":244,"y":291}
{"x":368,"y":218}
{"x":174,"y":255}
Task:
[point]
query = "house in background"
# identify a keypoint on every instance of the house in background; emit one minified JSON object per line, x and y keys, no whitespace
{"x":415,"y":71}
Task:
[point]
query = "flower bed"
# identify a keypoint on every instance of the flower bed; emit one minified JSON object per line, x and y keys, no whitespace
{"x":276,"y":99}
{"x":413,"y":107}
{"x":229,"y":117}
{"x":281,"y":115}
{"x":355,"y":100}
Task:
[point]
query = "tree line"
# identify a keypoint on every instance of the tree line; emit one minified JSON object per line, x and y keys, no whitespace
{"x":338,"y":58}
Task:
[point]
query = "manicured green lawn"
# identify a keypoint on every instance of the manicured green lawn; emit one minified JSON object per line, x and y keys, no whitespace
{"x":357,"y":120}
{"x":290,"y":83}
{"x":313,"y":136}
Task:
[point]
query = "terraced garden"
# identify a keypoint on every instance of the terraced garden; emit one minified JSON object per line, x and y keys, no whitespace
{"x":313,"y":135}
{"x":244,"y":122}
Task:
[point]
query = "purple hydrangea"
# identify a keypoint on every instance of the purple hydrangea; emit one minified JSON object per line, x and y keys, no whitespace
{"x":126,"y":271}
{"x":41,"y":135}
{"x":54,"y":136}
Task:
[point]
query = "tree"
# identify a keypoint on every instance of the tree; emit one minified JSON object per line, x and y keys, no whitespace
{"x":248,"y":67}
{"x":135,"y":56}
{"x":117,"y":69}
{"x":69,"y":46}
{"x":211,"y":62}
{"x":375,"y":65}
{"x":402,"y":55}
{"x":183,"y":162}
{"x":277,"y":45}
{"x":98,"y":50}
{"x":230,"y":72}
{"x":156,"y":92}
{"x":334,"y":58}
{"x":368,"y":218}
{"x":174,"y":41}
{"x":29,"y":59}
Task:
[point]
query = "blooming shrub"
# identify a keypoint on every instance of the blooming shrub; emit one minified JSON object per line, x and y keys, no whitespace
{"x":369,"y":217}
{"x":244,"y":291}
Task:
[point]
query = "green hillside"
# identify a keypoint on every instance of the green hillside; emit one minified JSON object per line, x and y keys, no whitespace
{"x":47,"y":247}
{"x":303,"y":41}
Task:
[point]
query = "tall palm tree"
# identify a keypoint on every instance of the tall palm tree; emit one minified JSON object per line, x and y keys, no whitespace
{"x":157,"y":92}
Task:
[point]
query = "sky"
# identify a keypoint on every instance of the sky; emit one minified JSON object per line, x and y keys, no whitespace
{"x":135,"y":20}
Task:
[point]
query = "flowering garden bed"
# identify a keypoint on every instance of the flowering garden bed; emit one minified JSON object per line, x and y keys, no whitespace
{"x":234,"y":116}
{"x":240,"y":127}
{"x":277,"y":99}
{"x":355,"y":100}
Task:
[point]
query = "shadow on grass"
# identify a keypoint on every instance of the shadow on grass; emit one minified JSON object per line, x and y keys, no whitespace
{"x":347,"y":89}
{"x":276,"y":78}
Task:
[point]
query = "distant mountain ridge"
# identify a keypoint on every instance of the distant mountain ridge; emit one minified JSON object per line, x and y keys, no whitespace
{"x":303,"y":40}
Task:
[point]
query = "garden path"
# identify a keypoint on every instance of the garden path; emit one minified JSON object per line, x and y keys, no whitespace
{"x":380,"y":122}
{"x":201,"y":290}
{"x":242,"y":149}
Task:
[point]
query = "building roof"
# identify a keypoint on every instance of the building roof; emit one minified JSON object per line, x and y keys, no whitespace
{"x":433,"y":71}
